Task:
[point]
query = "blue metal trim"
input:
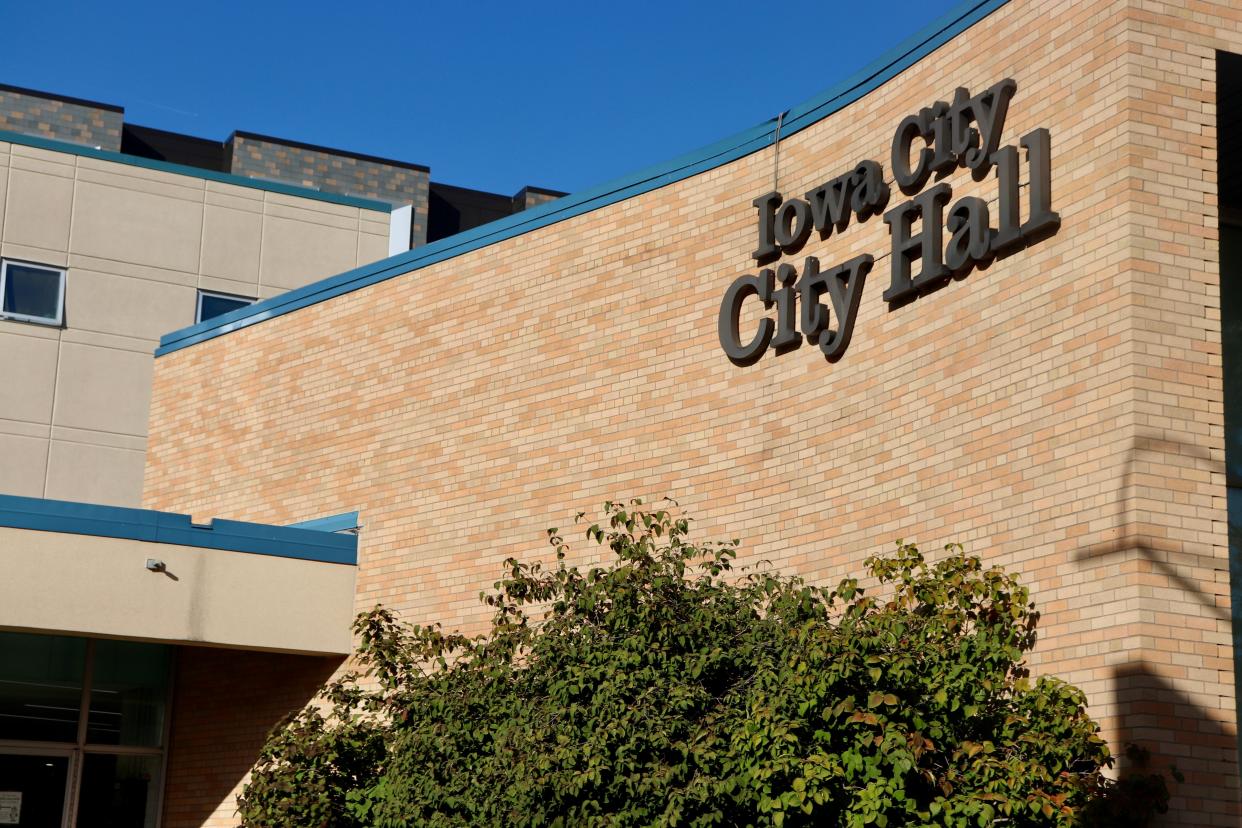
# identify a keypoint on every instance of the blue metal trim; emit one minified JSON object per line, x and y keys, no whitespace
{"x":166,"y":527}
{"x":722,"y":152}
{"x":335,"y":523}
{"x":195,"y":172}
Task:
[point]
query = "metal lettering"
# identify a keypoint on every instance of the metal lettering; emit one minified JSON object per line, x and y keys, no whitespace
{"x":1043,"y":220}
{"x":793,"y":225}
{"x":924,"y":245}
{"x":787,"y":337}
{"x":870,"y":192}
{"x":767,"y":204}
{"x":1009,"y":236}
{"x":970,"y":242}
{"x":963,"y":134}
{"x":989,"y":110}
{"x":845,"y":287}
{"x":730,"y":319}
{"x":910,"y":179}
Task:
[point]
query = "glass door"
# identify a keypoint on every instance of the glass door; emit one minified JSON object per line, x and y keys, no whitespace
{"x":34,"y":786}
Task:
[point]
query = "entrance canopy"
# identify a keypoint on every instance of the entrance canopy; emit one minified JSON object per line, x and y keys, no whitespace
{"x":133,"y":573}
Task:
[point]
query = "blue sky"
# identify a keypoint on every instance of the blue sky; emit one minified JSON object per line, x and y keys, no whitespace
{"x":490,"y":95}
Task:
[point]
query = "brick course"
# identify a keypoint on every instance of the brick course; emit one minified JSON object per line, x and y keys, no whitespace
{"x":1059,"y":413}
{"x":80,"y":122}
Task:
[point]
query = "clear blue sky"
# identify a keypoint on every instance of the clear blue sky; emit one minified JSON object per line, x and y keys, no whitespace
{"x":491,"y":95}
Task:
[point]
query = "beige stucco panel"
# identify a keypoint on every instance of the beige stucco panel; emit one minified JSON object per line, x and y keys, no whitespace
{"x":82,"y":584}
{"x":103,"y":389}
{"x":4,"y":183}
{"x":295,"y":253}
{"x":324,"y":208}
{"x":38,"y":210}
{"x":246,"y":290}
{"x":139,"y":227}
{"x":29,"y":369}
{"x":232,"y":240}
{"x":36,"y":255}
{"x":144,"y":179}
{"x":37,"y":158}
{"x":21,"y":473}
{"x":90,"y":473}
{"x":126,"y":306}
{"x":372,"y":248}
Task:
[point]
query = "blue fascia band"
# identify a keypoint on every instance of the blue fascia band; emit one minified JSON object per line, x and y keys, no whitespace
{"x":166,"y":527}
{"x":335,"y":523}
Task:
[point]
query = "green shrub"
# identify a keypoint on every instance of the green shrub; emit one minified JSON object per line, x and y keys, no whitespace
{"x":668,"y":689}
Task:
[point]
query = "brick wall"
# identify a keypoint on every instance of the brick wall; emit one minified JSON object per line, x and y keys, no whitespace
{"x":64,"y":119}
{"x":306,"y":166}
{"x":1059,"y":413}
{"x":225,"y":703}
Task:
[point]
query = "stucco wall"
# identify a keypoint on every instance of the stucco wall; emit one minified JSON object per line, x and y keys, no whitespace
{"x":137,"y":244}
{"x":77,"y":584}
{"x":1059,"y":413}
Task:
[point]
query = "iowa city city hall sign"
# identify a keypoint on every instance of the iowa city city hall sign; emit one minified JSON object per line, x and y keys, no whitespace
{"x":937,"y":140}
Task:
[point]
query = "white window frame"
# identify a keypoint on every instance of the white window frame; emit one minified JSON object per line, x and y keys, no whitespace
{"x":56,"y":322}
{"x":198,"y":303}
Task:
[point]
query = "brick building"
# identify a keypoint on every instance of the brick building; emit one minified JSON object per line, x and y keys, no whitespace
{"x":136,"y":231}
{"x":1020,"y":228}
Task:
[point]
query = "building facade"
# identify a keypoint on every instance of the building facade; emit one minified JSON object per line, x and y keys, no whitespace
{"x":982,"y":292}
{"x":111,"y":234}
{"x":1049,"y":393}
{"x":115,"y":234}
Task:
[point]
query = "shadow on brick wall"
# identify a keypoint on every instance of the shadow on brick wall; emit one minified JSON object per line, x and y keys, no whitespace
{"x":1158,"y":716}
{"x":1151,"y":711}
{"x":225,"y":703}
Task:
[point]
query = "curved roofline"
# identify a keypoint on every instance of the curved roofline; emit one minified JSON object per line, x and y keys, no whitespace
{"x":871,"y":77}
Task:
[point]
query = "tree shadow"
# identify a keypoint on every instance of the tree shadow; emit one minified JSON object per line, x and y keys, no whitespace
{"x":225,"y":702}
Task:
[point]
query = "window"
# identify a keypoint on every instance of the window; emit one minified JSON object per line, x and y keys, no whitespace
{"x":32,"y":293}
{"x":215,"y":304}
{"x":83,"y":729}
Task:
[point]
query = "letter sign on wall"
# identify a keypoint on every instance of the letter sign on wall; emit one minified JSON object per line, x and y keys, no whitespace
{"x":945,"y":239}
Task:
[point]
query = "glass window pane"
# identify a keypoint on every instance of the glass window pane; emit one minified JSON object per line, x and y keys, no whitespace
{"x":212,"y":305}
{"x":32,"y":291}
{"x":39,"y":782}
{"x":129,"y":690}
{"x":40,"y":686}
{"x":118,"y":791}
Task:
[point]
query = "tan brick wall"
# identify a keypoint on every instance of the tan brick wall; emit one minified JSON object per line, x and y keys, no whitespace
{"x":1059,"y":413}
{"x":225,"y":704}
